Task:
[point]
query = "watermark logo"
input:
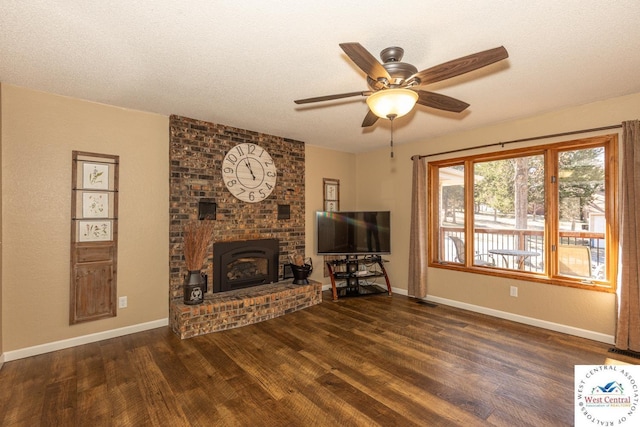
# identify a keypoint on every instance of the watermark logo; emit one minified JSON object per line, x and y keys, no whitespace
{"x":607,"y":395}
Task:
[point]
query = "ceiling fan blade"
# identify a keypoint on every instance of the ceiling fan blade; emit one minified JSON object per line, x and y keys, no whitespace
{"x":330,"y":97}
{"x":365,"y":61}
{"x":369,"y":119}
{"x":461,"y":65}
{"x":441,"y":102}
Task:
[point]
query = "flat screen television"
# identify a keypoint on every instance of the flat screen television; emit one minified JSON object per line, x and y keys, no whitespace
{"x":353,"y":233}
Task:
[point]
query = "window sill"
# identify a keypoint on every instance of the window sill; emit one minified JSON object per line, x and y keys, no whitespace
{"x":598,"y":286}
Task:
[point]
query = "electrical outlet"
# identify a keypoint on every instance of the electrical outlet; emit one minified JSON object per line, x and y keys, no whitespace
{"x":513,"y":291}
{"x":122,"y":302}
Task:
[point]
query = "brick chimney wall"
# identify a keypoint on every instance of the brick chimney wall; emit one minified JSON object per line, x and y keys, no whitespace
{"x":197,"y":149}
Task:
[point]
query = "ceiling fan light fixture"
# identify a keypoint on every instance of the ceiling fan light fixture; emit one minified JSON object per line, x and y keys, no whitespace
{"x":392,"y":102}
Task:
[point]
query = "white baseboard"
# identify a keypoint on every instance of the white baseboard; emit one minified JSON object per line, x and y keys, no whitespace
{"x":565,"y":329}
{"x":400,"y":291}
{"x":85,"y":339}
{"x":99,"y":336}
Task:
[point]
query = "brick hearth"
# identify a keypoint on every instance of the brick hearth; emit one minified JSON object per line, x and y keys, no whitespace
{"x":227,"y":310}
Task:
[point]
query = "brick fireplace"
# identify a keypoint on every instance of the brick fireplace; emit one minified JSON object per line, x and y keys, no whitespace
{"x":197,"y":149}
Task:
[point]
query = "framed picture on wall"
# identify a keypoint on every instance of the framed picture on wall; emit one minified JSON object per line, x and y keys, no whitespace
{"x":331,"y":191}
{"x":95,"y":176}
{"x":95,"y":204}
{"x":331,"y":194}
{"x":94,"y":231}
{"x":330,"y":205}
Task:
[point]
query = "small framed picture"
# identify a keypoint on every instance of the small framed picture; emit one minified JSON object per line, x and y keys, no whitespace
{"x":95,"y":176}
{"x":95,"y":204}
{"x":94,"y":231}
{"x":331,"y":194}
{"x":331,"y":191}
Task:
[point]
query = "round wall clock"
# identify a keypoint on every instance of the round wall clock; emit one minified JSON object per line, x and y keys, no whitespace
{"x":249,"y":173}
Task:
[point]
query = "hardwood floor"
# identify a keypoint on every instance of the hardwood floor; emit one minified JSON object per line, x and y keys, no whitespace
{"x":376,"y":360}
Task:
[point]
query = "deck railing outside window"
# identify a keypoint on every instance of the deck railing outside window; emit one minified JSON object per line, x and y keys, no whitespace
{"x":487,"y":239}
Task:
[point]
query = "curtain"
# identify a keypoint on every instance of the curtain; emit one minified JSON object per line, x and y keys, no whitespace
{"x":417,"y":286}
{"x":628,"y":325}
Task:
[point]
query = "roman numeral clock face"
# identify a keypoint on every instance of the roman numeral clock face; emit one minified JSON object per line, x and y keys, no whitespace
{"x":249,"y":173}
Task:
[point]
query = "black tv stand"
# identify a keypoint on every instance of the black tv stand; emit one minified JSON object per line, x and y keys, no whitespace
{"x":356,"y":281}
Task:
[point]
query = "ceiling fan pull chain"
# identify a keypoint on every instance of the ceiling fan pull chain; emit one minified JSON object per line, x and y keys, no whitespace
{"x":391,"y":117}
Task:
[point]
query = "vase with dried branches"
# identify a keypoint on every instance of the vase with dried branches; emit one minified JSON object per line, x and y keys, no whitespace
{"x":197,"y":236}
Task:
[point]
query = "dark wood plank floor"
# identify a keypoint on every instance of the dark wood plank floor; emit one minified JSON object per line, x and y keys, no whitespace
{"x":378,"y":360}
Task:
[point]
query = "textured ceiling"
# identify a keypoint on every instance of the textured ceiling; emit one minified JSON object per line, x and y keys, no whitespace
{"x":243,"y":63}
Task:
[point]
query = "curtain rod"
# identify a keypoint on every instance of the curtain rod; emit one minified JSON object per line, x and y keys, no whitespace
{"x":513,"y":141}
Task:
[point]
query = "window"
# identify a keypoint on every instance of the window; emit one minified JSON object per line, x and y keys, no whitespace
{"x":544,"y":213}
{"x":452,"y":212}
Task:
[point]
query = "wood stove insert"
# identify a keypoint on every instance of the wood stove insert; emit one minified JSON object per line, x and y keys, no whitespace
{"x":244,"y":263}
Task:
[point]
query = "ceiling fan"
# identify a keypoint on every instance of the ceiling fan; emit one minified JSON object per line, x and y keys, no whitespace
{"x":395,"y":77}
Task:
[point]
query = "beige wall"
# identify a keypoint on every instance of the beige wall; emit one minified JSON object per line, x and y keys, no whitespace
{"x":39,"y":133}
{"x":1,"y":342}
{"x":322,"y":163}
{"x":382,"y":182}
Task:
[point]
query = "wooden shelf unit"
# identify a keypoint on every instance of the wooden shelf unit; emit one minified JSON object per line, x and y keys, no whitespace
{"x":94,"y":236}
